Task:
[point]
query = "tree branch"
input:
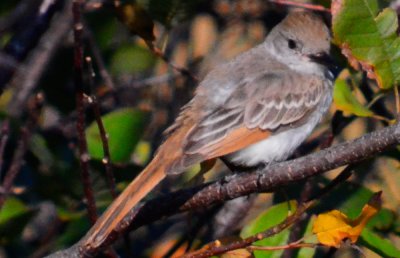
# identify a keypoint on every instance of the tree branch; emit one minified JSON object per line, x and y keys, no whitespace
{"x":28,"y":73}
{"x":265,"y":180}
{"x":80,"y":123}
{"x":216,"y":248}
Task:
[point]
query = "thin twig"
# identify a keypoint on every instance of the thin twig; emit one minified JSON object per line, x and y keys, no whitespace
{"x":99,"y":59}
{"x":20,"y":45}
{"x":380,"y":118}
{"x":314,"y":7}
{"x":5,"y":130}
{"x":84,"y":158}
{"x":28,"y":74}
{"x":103,"y":134}
{"x":343,"y":176}
{"x":152,"y":80}
{"x":80,"y":124}
{"x":397,"y":100}
{"x":378,"y":106}
{"x":220,"y":249}
{"x":22,"y":147}
{"x":298,"y":228}
{"x":182,"y":70}
{"x":375,"y":99}
{"x":297,"y":244}
{"x":19,"y":12}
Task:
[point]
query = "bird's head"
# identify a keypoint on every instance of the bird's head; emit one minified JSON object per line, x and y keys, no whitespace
{"x":301,"y":41}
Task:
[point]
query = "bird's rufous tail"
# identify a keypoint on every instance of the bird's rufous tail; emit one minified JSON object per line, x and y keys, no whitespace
{"x":149,"y":178}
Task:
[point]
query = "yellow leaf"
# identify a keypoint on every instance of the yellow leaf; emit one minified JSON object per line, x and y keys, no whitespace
{"x":368,"y":211}
{"x":333,"y":227}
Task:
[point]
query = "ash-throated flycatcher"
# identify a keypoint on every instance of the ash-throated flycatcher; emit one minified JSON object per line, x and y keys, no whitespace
{"x":257,"y":108}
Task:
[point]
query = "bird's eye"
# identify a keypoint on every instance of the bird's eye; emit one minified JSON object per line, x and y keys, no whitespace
{"x":292,"y":44}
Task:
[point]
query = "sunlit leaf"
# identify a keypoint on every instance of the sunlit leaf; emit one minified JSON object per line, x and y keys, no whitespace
{"x":345,"y":100}
{"x":267,"y":219}
{"x":368,"y":38}
{"x":333,"y":227}
{"x":124,"y":128}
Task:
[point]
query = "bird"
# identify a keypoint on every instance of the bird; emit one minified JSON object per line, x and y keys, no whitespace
{"x":255,"y":109}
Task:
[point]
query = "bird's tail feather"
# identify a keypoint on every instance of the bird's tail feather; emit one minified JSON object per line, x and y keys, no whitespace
{"x":149,"y":178}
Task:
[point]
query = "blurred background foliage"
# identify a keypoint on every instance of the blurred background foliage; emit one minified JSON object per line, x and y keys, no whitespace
{"x":139,"y":96}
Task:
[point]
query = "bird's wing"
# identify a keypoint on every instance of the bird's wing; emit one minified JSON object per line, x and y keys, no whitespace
{"x":253,"y":112}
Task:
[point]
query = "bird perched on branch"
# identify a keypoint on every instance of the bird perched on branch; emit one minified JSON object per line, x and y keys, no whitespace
{"x":255,"y":109}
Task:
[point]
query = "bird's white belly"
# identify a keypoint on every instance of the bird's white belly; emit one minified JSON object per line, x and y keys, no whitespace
{"x":277,"y":147}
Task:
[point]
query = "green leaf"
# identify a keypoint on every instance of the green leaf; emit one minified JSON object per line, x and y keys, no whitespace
{"x":271,"y":217}
{"x":381,"y":246}
{"x":346,"y":101}
{"x":14,"y":215}
{"x":12,"y":208}
{"x":124,"y":128}
{"x":369,"y":37}
{"x":383,"y":220}
{"x":130,"y":59}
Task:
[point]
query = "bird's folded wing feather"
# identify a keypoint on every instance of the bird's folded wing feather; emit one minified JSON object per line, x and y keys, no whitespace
{"x":254,"y":111}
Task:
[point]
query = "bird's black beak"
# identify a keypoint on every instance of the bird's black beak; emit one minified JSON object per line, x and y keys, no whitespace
{"x":326,"y":60}
{"x":323,"y":59}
